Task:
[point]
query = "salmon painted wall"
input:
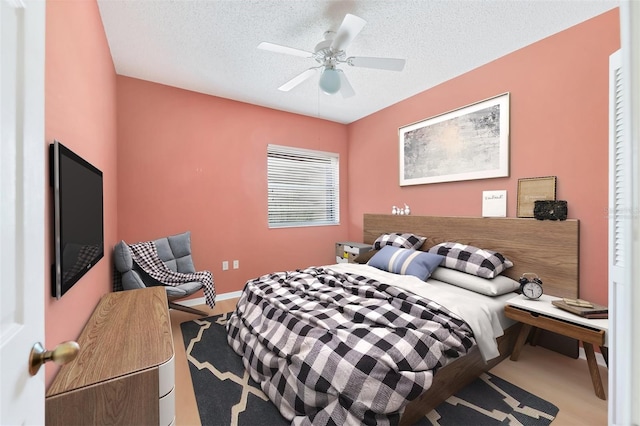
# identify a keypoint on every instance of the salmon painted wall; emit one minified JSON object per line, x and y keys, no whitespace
{"x":175,"y":160}
{"x":559,"y":127}
{"x":79,"y":112}
{"x":188,"y":161}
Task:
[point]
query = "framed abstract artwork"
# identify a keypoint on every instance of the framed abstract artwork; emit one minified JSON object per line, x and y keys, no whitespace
{"x":468,"y":143}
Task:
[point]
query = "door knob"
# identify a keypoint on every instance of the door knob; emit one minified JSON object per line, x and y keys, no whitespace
{"x":63,"y":353}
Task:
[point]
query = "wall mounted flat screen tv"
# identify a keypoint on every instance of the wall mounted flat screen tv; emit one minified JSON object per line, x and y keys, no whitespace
{"x":78,"y":221}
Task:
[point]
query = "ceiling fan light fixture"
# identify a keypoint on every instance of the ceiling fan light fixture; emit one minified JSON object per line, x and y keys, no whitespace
{"x":330,"y":81}
{"x":330,"y":53}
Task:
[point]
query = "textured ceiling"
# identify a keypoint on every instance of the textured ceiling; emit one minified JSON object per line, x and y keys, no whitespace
{"x":210,"y":46}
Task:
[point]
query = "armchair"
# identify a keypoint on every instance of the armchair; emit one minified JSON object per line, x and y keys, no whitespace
{"x":175,"y":252}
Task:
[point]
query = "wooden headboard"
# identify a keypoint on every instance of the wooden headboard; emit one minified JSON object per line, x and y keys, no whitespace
{"x":547,"y":248}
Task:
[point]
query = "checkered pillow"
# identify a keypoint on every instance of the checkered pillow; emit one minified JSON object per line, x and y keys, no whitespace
{"x":472,"y":260}
{"x":409,"y":241}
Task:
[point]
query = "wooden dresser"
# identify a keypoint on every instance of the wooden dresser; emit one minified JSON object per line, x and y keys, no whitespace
{"x":124,"y":373}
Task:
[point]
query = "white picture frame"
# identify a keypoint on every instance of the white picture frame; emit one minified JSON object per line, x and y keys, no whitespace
{"x":468,"y":143}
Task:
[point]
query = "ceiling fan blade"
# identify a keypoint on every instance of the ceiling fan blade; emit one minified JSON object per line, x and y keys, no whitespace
{"x":278,"y":48}
{"x":349,"y":29}
{"x":390,"y":64}
{"x":345,"y":87}
{"x":297,"y":80}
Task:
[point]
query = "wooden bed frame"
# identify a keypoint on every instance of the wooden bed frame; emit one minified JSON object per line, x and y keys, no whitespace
{"x":547,"y":248}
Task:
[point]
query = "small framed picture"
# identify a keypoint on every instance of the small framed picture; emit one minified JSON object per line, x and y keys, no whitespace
{"x":532,"y":189}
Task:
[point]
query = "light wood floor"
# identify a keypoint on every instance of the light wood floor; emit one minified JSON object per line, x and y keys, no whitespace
{"x":560,"y":380}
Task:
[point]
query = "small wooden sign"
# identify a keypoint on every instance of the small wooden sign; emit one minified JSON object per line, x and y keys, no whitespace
{"x":532,"y":189}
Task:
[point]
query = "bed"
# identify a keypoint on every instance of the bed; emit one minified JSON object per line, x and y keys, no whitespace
{"x":418,"y":364}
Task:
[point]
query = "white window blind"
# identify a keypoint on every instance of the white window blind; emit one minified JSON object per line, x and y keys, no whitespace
{"x":303,"y":187}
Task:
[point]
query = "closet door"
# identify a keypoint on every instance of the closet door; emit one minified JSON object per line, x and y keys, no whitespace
{"x":621,"y":217}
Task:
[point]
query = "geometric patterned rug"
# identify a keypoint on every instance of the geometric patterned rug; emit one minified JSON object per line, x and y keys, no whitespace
{"x":226,"y":395}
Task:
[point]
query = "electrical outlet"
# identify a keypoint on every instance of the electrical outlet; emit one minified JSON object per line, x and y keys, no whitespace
{"x":236,"y":264}
{"x":225,"y":265}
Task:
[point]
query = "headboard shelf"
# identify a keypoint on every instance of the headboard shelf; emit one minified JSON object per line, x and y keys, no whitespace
{"x":548,"y":248}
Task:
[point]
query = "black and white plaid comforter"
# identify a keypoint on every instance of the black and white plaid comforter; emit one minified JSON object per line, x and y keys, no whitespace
{"x":336,"y":349}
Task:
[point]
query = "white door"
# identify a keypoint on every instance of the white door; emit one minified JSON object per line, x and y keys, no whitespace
{"x":624,"y":229}
{"x":22,"y":216}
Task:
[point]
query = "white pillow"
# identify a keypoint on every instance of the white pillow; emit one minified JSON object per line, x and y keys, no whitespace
{"x":487,"y":286}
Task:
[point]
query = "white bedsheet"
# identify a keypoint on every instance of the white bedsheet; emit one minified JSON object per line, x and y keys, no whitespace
{"x":484,"y":314}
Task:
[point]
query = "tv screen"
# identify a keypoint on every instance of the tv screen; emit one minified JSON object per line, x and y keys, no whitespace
{"x":77,"y":217}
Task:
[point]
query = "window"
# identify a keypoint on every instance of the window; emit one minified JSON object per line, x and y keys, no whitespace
{"x":303,"y":187}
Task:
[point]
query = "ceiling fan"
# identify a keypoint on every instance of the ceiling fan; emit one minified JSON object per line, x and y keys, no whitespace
{"x":330,"y":53}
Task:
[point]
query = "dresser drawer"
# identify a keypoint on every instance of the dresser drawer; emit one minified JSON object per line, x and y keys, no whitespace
{"x":347,"y":251}
{"x":168,"y":408}
{"x":167,"y":376}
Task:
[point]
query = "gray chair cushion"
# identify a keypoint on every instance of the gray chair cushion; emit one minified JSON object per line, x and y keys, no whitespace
{"x":191,"y":287}
{"x":183,"y":289}
{"x":131,"y":281}
{"x":174,"y":292}
{"x":175,"y":252}
{"x":122,"y":257}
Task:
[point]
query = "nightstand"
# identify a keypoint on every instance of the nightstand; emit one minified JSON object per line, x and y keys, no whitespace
{"x":542,"y":314}
{"x":346,"y":251}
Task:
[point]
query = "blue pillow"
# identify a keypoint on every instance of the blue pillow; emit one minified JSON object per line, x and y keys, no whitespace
{"x":406,"y":261}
